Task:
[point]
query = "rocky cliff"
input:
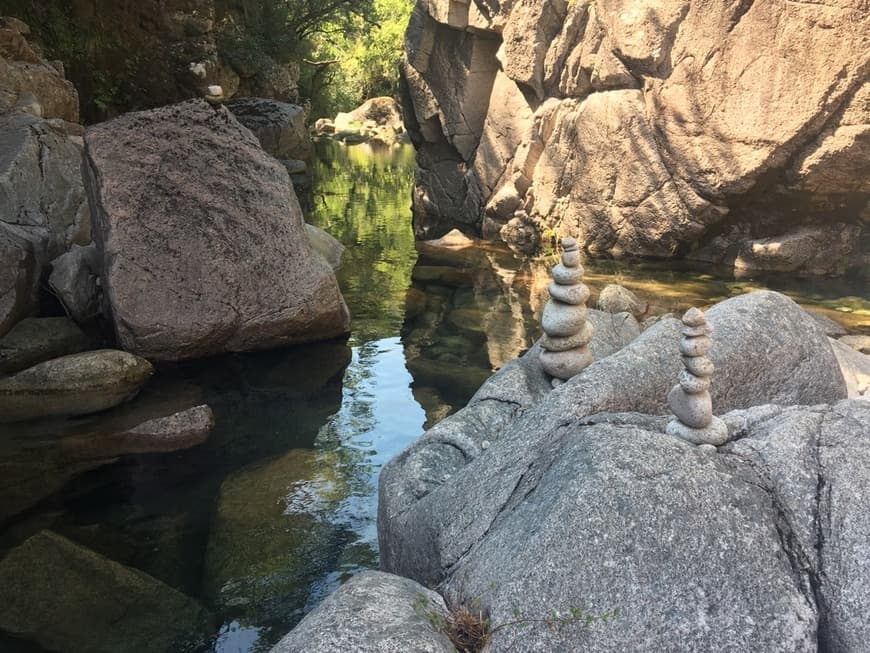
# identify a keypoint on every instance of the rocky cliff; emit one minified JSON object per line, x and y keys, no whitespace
{"x":736,"y":131}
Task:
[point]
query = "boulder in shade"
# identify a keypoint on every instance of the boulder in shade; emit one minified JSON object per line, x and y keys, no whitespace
{"x":35,"y":340}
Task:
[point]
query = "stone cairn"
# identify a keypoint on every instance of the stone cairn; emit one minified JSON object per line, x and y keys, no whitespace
{"x":690,"y":400}
{"x":566,"y":331}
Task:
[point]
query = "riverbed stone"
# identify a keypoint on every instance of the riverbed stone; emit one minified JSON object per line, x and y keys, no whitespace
{"x":373,"y":612}
{"x":73,"y":385}
{"x":270,"y":537}
{"x":72,"y":600}
{"x":173,"y":432}
{"x":575,"y":295}
{"x":860,"y":343}
{"x":35,"y":340}
{"x":203,"y":242}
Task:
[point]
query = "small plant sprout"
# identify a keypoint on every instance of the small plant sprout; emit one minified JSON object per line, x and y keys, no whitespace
{"x":469,"y":626}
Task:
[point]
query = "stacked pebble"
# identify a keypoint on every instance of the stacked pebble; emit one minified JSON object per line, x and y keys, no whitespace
{"x":566,"y":331}
{"x":690,"y":401}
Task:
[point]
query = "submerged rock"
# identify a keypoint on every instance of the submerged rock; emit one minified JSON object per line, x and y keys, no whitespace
{"x":174,"y":432}
{"x":36,"y":340}
{"x":73,"y":385}
{"x":324,"y":244}
{"x":616,"y":299}
{"x":72,"y":600}
{"x":373,"y":612}
{"x":268,"y":541}
{"x":203,"y":239}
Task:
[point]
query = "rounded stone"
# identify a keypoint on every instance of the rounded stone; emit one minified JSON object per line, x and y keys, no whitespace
{"x":692,"y":332}
{"x":570,"y":244}
{"x":692,"y":384}
{"x":716,"y":434}
{"x":562,"y":320}
{"x":567,"y":276}
{"x":574,"y":295}
{"x":699,"y":366}
{"x":694,"y":318}
{"x":696,"y":346}
{"x":565,"y":364}
{"x":571,"y":259}
{"x":692,"y":410}
{"x":581,"y":339}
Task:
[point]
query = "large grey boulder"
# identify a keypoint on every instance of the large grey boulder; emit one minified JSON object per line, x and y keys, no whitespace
{"x":72,"y":600}
{"x":202,"y":239}
{"x":279,"y":126}
{"x":325,"y":245}
{"x":432,"y":507}
{"x":18,"y":279}
{"x":73,"y":385}
{"x":373,"y":612}
{"x":36,"y":340}
{"x":619,"y":516}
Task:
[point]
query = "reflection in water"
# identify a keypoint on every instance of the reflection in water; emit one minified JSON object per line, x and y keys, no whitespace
{"x":278,"y":507}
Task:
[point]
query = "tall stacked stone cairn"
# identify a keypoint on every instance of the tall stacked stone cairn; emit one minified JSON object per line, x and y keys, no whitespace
{"x":690,"y":400}
{"x":566,"y":331}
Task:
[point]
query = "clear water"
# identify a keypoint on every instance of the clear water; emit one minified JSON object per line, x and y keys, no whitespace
{"x":278,"y":507}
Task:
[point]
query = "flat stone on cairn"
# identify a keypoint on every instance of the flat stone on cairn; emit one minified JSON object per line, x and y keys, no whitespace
{"x":566,"y":331}
{"x":690,"y":400}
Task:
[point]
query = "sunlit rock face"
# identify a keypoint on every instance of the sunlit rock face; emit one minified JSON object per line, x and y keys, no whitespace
{"x":642,"y":128}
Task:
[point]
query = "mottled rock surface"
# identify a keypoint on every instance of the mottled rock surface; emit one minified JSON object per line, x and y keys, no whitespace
{"x":279,"y":126}
{"x":72,"y":600}
{"x":373,"y":612}
{"x":432,"y":508}
{"x":74,"y":280}
{"x":202,"y":239}
{"x":645,"y":128}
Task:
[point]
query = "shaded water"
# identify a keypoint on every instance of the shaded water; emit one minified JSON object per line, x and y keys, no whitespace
{"x":278,"y":507}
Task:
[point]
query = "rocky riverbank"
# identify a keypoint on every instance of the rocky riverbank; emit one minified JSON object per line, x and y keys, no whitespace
{"x":646,"y":128}
{"x":571,"y":513}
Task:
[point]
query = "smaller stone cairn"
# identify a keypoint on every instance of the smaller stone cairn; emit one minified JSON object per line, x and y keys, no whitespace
{"x":690,"y":400}
{"x":215,"y":95}
{"x":566,"y":331}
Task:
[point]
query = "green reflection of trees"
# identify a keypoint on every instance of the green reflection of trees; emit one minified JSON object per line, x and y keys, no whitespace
{"x":362,"y":197}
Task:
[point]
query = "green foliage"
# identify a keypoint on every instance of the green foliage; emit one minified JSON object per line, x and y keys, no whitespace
{"x":352,"y":61}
